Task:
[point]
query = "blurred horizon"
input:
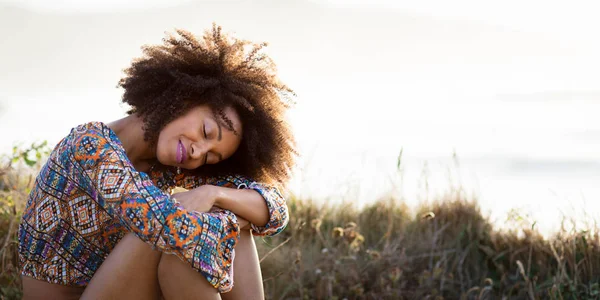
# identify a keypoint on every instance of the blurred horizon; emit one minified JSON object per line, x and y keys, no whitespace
{"x":511,"y":89}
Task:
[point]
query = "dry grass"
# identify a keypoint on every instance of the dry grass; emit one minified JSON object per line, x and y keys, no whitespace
{"x":443,"y":250}
{"x":14,"y":189}
{"x":447,"y":251}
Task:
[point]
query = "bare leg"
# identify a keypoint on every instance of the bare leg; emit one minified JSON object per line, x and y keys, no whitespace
{"x":179,"y":281}
{"x":134,"y":271}
{"x":129,"y":272}
{"x":247,"y":278}
{"x":34,"y":289}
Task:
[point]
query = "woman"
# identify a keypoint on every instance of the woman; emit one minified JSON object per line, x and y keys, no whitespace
{"x":101,"y":221}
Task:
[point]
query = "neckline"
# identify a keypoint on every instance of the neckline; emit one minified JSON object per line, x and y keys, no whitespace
{"x":114,"y":140}
{"x":113,"y":137}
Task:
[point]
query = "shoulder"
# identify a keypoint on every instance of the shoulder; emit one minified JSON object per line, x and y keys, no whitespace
{"x":88,"y":138}
{"x":93,"y":141}
{"x":93,"y":131}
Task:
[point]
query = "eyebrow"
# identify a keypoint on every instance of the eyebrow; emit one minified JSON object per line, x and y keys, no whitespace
{"x":219,"y":136}
{"x":219,"y":139}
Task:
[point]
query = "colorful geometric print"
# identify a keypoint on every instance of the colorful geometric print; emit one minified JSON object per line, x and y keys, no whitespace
{"x":278,"y":210}
{"x":88,"y":196}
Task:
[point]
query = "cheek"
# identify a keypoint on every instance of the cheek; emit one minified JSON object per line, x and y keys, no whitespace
{"x":228,"y":147}
{"x":234,"y":146}
{"x":162,"y":149}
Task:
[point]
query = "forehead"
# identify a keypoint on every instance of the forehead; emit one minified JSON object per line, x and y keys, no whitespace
{"x":231,"y":114}
{"x":230,"y":140}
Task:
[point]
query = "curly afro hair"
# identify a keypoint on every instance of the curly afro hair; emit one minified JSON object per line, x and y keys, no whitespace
{"x":219,"y":71}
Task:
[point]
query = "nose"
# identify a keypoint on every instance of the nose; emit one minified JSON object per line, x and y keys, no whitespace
{"x":198,"y":150}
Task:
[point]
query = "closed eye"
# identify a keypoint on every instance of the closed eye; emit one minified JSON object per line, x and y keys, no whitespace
{"x":204,"y":130}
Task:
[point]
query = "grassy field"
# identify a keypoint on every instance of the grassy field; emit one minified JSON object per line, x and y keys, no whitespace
{"x":445,"y":249}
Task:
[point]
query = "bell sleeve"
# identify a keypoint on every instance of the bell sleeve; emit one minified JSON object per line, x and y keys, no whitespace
{"x":278,"y":209}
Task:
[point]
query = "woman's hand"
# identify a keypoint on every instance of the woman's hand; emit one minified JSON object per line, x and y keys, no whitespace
{"x":200,"y":199}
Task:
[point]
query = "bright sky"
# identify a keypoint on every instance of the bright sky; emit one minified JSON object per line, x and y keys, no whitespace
{"x":511,"y":86}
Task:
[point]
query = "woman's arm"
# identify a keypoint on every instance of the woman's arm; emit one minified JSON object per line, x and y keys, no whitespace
{"x":246,"y":203}
{"x":263,"y":206}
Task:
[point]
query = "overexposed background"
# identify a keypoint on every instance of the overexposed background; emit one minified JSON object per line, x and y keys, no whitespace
{"x":512,"y":87}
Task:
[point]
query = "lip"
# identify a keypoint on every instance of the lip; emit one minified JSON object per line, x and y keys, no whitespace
{"x":184,"y":155}
{"x":181,"y":153}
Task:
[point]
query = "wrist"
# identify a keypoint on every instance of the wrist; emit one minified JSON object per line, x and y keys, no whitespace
{"x":219,"y":196}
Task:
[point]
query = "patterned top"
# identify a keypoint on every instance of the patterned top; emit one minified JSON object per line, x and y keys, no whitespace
{"x":88,"y":196}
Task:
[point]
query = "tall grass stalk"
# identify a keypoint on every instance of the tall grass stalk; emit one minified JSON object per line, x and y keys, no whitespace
{"x":442,"y":249}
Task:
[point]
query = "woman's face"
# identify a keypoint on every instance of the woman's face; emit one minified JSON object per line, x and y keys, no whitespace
{"x":197,"y":138}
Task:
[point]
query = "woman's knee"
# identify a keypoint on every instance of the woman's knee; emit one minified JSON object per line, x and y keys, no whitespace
{"x":246,"y":269}
{"x":245,"y":242}
{"x":178,"y":280}
{"x":130,"y":271}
